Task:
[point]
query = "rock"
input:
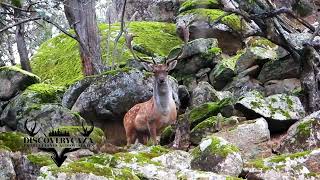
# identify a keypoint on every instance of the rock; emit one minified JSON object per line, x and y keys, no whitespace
{"x":302,"y":136}
{"x":209,"y":126}
{"x":151,"y":10}
{"x":13,"y":80}
{"x":201,"y":23}
{"x":286,"y":86}
{"x":254,"y":56}
{"x":167,"y":135}
{"x":197,"y":54}
{"x":204,"y":92}
{"x":6,"y":166}
{"x":280,"y":110}
{"x":196,"y":4}
{"x":299,"y":39}
{"x":202,"y":72}
{"x":279,"y":69}
{"x":45,"y":115}
{"x":74,"y":91}
{"x":301,"y":165}
{"x":206,"y":110}
{"x":248,"y":137}
{"x":223,"y":72}
{"x":178,"y":159}
{"x":240,"y":86}
{"x":217,"y":155}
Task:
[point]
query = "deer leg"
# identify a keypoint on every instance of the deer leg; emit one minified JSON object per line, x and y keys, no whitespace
{"x":131,"y":137}
{"x":153,"y":133}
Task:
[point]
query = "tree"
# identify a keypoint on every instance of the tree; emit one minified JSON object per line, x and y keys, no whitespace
{"x":82,"y":17}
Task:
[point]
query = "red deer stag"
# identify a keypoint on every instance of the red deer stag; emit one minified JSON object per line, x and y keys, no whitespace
{"x":149,"y":118}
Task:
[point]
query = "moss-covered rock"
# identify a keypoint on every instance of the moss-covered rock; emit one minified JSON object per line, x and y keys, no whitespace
{"x":40,"y":159}
{"x":296,"y":165}
{"x":58,"y":61}
{"x":209,"y":126}
{"x":13,"y":141}
{"x":45,"y":93}
{"x":217,"y":155}
{"x":224,"y":71}
{"x":302,"y":136}
{"x":233,"y":21}
{"x":194,"y":4}
{"x":14,"y":80}
{"x":200,"y":113}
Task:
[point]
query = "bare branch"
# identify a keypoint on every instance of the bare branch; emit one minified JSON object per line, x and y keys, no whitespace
{"x":14,"y":7}
{"x":61,"y":29}
{"x":18,"y":23}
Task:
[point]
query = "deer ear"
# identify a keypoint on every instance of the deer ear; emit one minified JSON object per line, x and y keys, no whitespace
{"x":147,"y":66}
{"x":172,"y":65}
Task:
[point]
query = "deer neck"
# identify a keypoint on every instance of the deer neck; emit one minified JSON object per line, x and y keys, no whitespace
{"x":162,"y":95}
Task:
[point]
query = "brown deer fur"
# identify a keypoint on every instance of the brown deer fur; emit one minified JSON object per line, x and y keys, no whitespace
{"x":149,"y":118}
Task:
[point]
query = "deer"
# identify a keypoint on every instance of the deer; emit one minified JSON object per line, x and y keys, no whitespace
{"x":148,"y":119}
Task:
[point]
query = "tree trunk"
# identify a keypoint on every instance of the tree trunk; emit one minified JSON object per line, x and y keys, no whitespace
{"x":82,"y":17}
{"x":21,"y":43}
{"x":10,"y":50}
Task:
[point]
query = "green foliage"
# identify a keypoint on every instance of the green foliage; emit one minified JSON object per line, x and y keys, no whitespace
{"x":45,"y":92}
{"x":193,"y":4}
{"x":12,"y":140}
{"x":304,"y":128}
{"x":40,"y":159}
{"x":233,"y":21}
{"x":58,"y":60}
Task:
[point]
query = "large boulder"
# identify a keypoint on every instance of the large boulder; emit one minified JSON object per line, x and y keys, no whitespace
{"x":302,"y":136}
{"x":242,"y":85}
{"x":279,"y":69}
{"x":280,"y":110}
{"x":217,"y":155}
{"x":38,"y":103}
{"x":13,"y":80}
{"x":301,"y":165}
{"x":249,"y":137}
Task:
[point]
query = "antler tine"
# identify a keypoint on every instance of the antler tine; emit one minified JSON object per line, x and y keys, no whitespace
{"x":186,"y":35}
{"x":129,"y":39}
{"x":32,"y":132}
{"x":86,"y":132}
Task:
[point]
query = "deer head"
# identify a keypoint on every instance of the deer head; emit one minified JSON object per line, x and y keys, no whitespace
{"x":160,"y":70}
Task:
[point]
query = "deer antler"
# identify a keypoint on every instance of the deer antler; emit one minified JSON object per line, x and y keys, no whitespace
{"x":86,"y":131}
{"x":32,"y":131}
{"x":186,"y":35}
{"x":129,"y":39}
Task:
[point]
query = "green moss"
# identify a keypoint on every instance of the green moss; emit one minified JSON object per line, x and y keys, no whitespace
{"x":262,"y":42}
{"x":283,"y":157}
{"x":40,"y":159}
{"x":206,"y":110}
{"x":227,"y":63}
{"x":45,"y":92}
{"x":233,"y":178}
{"x":97,"y":134}
{"x":140,"y":158}
{"x":166,"y":135}
{"x":13,"y":140}
{"x":58,"y":61}
{"x":217,"y":147}
{"x":258,"y":164}
{"x":233,"y":21}
{"x":193,"y":4}
{"x":3,"y":147}
{"x":304,"y":128}
{"x":14,"y":68}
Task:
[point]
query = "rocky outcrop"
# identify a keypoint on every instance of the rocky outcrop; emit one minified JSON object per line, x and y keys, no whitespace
{"x":14,"y":80}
